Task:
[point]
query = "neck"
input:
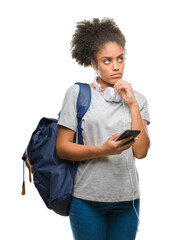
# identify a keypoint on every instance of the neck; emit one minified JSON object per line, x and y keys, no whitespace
{"x":103,"y":84}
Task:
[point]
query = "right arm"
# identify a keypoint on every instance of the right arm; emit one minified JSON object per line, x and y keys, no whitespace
{"x":67,"y":149}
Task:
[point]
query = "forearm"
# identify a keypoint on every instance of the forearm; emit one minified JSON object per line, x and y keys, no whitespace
{"x":78,"y":152}
{"x":140,"y":148}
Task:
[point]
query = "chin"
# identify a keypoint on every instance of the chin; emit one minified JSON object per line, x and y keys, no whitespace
{"x":114,"y":80}
{"x":109,"y":80}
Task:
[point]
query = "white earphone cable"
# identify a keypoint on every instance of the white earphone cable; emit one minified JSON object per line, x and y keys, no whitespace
{"x":100,"y":89}
{"x":132,"y":185}
{"x":124,"y":113}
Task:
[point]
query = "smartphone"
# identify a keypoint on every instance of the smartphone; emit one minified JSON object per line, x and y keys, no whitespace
{"x":128,"y":133}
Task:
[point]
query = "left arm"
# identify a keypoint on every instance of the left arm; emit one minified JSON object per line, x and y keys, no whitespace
{"x":141,"y":146}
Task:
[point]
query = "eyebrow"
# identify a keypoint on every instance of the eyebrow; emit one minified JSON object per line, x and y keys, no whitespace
{"x":111,"y":57}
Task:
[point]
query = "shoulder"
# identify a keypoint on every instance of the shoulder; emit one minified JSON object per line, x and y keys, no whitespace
{"x":72,"y":90}
{"x":143,"y":106}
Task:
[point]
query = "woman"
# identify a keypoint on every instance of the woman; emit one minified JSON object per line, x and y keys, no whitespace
{"x":106,"y":196}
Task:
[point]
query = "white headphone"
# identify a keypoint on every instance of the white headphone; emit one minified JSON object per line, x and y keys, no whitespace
{"x":110,"y":94}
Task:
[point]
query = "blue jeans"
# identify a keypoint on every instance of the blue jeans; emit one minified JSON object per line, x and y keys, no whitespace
{"x":92,"y":220}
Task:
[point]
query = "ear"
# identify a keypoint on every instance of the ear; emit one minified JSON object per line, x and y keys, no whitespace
{"x":94,"y":65}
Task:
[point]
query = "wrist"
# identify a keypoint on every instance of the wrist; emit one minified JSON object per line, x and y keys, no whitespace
{"x":101,"y":151}
{"x":133,"y":104}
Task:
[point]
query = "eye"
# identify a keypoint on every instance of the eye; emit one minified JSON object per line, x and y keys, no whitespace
{"x":120,"y":59}
{"x":107,"y":61}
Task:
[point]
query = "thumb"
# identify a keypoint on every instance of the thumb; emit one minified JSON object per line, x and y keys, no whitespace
{"x":116,"y":135}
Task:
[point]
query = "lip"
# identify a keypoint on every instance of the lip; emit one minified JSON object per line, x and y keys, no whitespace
{"x":116,"y":75}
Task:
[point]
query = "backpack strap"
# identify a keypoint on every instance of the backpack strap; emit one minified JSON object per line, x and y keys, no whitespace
{"x":83,"y":103}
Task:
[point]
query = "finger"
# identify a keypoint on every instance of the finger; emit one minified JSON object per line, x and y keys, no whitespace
{"x":127,"y":145}
{"x":123,"y":86}
{"x":121,"y":142}
{"x":116,"y":135}
{"x":117,"y":83}
{"x":122,"y":83}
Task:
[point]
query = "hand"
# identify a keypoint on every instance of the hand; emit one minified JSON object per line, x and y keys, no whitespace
{"x":110,"y":147}
{"x":125,"y":90}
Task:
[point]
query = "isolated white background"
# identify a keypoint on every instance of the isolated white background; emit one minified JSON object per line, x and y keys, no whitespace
{"x":36,"y":69}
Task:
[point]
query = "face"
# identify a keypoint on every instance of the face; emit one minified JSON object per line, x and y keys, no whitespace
{"x":110,"y":64}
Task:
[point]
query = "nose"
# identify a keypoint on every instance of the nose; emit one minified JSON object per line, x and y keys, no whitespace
{"x":115,"y":66}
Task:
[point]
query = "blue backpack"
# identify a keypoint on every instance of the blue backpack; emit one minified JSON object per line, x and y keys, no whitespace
{"x":54,"y":177}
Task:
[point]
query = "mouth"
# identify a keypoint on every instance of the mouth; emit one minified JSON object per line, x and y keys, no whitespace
{"x":116,"y":75}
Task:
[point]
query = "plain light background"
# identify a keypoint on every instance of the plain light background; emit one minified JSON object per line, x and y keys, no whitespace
{"x":36,"y":69}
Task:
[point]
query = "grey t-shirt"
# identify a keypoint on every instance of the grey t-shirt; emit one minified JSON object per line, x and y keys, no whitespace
{"x":104,"y":179}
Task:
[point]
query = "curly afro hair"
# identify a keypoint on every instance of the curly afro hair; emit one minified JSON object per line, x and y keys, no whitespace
{"x":91,"y":35}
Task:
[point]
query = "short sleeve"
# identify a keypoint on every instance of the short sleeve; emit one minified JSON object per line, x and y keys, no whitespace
{"x":143,"y":106}
{"x":144,"y":112}
{"x":68,"y":111}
